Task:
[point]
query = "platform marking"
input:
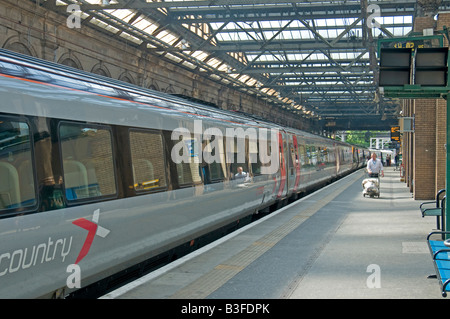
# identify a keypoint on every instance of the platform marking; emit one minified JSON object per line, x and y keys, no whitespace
{"x":177,"y":263}
{"x":409,"y":247}
{"x":213,"y":280}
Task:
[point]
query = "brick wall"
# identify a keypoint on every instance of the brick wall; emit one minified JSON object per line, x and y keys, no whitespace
{"x":425,"y":148}
{"x":422,"y":163}
{"x":421,"y":23}
{"x":424,"y":151}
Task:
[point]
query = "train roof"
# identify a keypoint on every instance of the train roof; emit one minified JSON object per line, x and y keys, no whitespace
{"x":22,"y":66}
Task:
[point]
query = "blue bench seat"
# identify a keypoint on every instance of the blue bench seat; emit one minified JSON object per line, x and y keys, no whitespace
{"x":436,"y":245}
{"x":441,"y":261}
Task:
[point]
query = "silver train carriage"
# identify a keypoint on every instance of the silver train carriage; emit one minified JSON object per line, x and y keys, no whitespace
{"x":98,"y":175}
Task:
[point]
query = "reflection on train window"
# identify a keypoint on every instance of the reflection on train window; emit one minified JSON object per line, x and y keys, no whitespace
{"x":87,"y":161}
{"x":147,"y":157}
{"x":17,"y":184}
{"x":216,"y":169}
{"x":304,"y":151}
{"x":264,"y":156}
{"x":254,"y":157}
{"x":291,"y":156}
{"x":189,"y":169}
{"x":238,"y":152}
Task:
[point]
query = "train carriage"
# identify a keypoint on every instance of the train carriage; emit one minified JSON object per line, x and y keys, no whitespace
{"x":98,"y":176}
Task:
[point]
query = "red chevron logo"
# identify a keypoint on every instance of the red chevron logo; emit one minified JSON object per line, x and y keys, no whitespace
{"x":93,"y":229}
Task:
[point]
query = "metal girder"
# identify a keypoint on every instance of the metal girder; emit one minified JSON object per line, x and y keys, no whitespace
{"x":316,"y":53}
{"x":252,"y":8}
{"x":218,"y":3}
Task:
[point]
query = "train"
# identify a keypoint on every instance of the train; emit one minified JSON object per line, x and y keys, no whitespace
{"x":102,"y":180}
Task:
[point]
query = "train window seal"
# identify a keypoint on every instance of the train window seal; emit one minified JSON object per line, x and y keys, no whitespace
{"x":23,"y":210}
{"x":89,"y":199}
{"x":164,"y":162}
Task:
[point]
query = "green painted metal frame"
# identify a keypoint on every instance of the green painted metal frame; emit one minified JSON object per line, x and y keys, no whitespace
{"x":426,"y":92}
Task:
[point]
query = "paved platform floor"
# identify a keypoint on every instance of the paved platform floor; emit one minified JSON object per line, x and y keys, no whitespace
{"x":332,"y":244}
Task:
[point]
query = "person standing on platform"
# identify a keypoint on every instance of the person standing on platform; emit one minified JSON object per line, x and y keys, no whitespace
{"x":375,"y":167}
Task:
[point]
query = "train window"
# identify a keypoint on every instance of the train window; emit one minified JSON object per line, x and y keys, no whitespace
{"x":217,"y":166}
{"x":291,"y":156}
{"x":17,"y":183}
{"x":88,"y":163}
{"x":147,"y":157}
{"x":304,"y":154}
{"x":189,"y":169}
{"x":265,"y":157}
{"x":324,"y":155}
{"x":238,"y":154}
{"x":309,"y":153}
{"x":255,"y":159}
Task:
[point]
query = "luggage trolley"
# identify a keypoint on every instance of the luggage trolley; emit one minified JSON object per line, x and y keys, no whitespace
{"x":371,"y":185}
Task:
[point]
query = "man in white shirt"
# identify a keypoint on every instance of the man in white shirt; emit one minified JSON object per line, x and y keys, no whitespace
{"x":374,"y":166}
{"x":240,"y":173}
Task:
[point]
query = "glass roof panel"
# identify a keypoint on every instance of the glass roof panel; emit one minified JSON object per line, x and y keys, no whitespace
{"x":251,"y":36}
{"x":130,"y":37}
{"x":122,"y":14}
{"x":200,"y":55}
{"x":145,"y":25}
{"x":167,"y":37}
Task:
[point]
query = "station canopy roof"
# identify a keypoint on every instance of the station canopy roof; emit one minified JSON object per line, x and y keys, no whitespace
{"x":314,"y":58}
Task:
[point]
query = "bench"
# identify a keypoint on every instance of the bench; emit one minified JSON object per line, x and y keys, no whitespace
{"x":434,"y":208}
{"x":440,"y":251}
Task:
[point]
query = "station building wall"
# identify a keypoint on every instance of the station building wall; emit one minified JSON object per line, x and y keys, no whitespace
{"x":424,"y":154}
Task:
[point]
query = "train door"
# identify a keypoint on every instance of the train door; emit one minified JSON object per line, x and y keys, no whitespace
{"x":296,"y":160}
{"x":338,"y":158}
{"x":282,"y":161}
{"x":354,"y":157}
{"x":291,"y":170}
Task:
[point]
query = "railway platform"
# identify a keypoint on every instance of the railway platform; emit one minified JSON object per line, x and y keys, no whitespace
{"x":331,"y":244}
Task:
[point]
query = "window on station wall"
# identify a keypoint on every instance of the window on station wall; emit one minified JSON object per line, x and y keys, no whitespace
{"x":17,"y":178}
{"x":147,"y":159}
{"x":88,"y":163}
